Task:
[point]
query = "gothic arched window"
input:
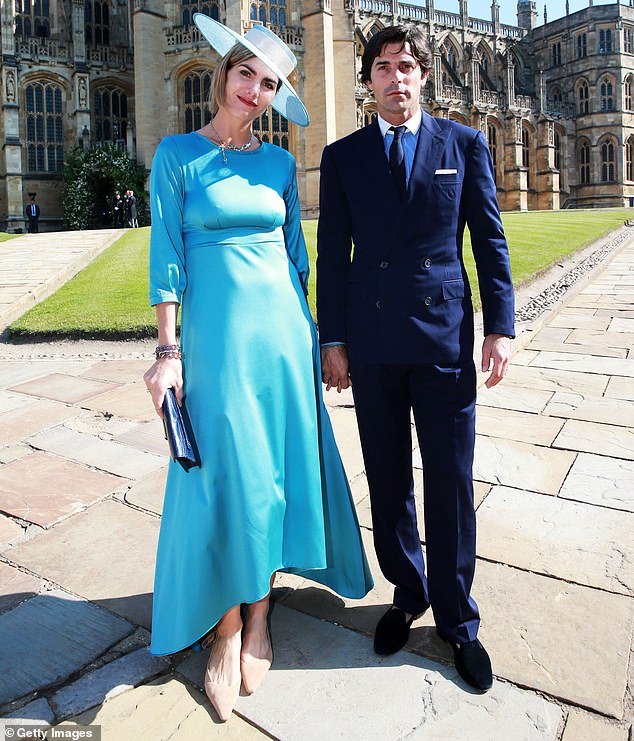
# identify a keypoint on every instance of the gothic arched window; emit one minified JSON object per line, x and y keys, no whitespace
{"x":208,"y":7}
{"x":629,"y":158}
{"x":627,"y":92}
{"x":272,"y":127}
{"x":97,"y":22}
{"x":607,"y":94}
{"x":32,"y":18}
{"x":110,"y":112}
{"x":196,"y":89}
{"x":608,"y":150}
{"x":584,"y":162}
{"x":44,"y":129}
{"x":526,"y":157}
{"x":583,"y":94}
{"x":448,"y":51}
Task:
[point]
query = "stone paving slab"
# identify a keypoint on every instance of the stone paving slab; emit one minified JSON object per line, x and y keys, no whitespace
{"x":610,"y":338}
{"x":41,"y":415}
{"x":518,"y":426}
{"x":148,"y":493}
{"x":511,"y":397}
{"x":578,"y":320}
{"x":338,"y":670}
{"x":544,"y":379}
{"x":148,"y":436}
{"x":8,"y":528}
{"x":116,"y":571}
{"x":107,"y":455}
{"x":592,"y":437}
{"x":602,"y":481}
{"x":48,"y":638}
{"x":16,"y":587}
{"x":163,"y":709}
{"x":43,"y":488}
{"x":130,"y":401}
{"x":13,"y":452}
{"x":19,"y":371}
{"x":603,"y":350}
{"x":576,"y":406}
{"x":621,"y":324}
{"x":119,"y":371}
{"x":569,"y":540}
{"x":62,"y":387}
{"x":569,"y":641}
{"x":106,"y":682}
{"x":581,"y":725}
{"x":520,"y":465}
{"x":585,"y":363}
{"x":10,"y":402}
{"x":620,"y":388}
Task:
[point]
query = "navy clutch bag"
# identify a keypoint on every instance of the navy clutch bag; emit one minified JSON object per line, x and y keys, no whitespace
{"x":178,"y":432}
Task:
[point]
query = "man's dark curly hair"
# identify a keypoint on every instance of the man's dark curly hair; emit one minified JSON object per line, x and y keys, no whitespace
{"x":402,"y":35}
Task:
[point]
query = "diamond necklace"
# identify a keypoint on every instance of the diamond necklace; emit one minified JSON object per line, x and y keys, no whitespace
{"x":223,"y":145}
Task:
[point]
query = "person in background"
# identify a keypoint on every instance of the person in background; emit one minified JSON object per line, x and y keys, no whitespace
{"x":131,"y":210}
{"x":118,"y":210}
{"x":32,"y":213}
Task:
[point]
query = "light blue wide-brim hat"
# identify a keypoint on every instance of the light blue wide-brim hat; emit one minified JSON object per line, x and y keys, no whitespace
{"x":267,"y":47}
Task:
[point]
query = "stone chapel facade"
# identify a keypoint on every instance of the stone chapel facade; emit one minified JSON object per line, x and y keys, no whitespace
{"x":556,"y":101}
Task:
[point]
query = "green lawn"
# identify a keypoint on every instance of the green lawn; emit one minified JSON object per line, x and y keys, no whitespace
{"x":4,"y":236}
{"x":109,"y":297}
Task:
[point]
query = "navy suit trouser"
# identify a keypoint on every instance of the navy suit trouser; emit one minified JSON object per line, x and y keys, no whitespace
{"x":442,"y":400}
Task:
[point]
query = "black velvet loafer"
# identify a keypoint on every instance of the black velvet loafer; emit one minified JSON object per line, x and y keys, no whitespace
{"x":392,"y":631}
{"x":472,"y":664}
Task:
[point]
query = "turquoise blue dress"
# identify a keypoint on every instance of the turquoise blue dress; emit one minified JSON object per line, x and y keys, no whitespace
{"x":271,"y":494}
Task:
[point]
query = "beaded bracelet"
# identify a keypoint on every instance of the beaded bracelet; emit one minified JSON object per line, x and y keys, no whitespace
{"x":172,"y":352}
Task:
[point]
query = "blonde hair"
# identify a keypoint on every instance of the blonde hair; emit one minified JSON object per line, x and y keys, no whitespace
{"x":236,"y":55}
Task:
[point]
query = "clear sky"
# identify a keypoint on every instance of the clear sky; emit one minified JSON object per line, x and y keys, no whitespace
{"x":508,"y":8}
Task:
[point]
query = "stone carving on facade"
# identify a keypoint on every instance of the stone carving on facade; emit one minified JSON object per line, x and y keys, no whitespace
{"x":518,"y":130}
{"x":10,"y":87}
{"x":82,"y":92}
{"x":551,"y":133}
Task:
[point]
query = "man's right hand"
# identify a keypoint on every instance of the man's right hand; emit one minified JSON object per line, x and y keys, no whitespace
{"x":334,"y":367}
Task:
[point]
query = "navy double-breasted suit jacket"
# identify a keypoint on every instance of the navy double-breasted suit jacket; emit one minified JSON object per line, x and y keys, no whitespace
{"x":402,"y":294}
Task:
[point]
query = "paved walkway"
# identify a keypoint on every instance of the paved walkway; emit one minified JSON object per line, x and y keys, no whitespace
{"x":82,"y":465}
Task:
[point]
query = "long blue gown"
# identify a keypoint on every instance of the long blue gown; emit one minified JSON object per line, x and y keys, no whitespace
{"x":271,"y":494}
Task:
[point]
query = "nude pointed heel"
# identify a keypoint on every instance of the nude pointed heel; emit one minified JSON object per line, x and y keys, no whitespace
{"x":223,"y":697}
{"x":254,"y":670}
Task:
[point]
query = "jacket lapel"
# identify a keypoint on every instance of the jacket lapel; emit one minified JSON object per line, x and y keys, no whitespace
{"x":377,"y":165}
{"x":429,"y":150}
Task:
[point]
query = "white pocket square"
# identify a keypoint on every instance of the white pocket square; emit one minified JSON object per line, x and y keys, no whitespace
{"x":446,"y":172}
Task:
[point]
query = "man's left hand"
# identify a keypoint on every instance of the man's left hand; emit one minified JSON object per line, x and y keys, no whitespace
{"x":496,"y":348}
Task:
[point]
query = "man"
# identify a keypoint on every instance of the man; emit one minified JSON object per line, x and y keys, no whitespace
{"x":32,"y":213}
{"x":396,"y":322}
{"x":118,"y":208}
{"x":130,"y":206}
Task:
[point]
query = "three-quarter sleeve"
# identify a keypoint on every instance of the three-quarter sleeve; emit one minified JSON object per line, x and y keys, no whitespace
{"x":168,"y":278}
{"x":293,"y":235}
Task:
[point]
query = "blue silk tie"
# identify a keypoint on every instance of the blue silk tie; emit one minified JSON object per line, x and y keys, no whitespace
{"x":397,"y":161}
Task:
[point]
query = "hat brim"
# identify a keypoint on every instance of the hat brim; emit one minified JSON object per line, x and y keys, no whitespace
{"x":222,"y":39}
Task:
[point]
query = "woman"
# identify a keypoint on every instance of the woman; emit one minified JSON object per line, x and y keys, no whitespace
{"x":271,"y":493}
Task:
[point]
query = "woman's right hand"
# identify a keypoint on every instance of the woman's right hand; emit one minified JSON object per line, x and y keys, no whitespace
{"x":165,"y":373}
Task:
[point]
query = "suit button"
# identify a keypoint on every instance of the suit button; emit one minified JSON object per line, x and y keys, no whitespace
{"x":428,"y":301}
{"x":383,"y":264}
{"x":378,"y":304}
{"x":427,"y":263}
